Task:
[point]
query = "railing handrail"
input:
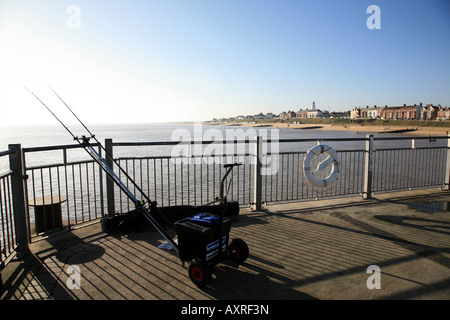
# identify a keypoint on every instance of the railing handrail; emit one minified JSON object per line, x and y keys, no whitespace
{"x":6,"y":152}
{"x":235,"y":141}
{"x":52,"y":148}
{"x":158,"y":143}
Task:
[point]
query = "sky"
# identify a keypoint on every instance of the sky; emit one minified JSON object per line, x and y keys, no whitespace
{"x":135,"y":61}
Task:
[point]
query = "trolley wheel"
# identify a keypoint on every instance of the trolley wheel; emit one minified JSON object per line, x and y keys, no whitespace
{"x":238,"y":250}
{"x":199,"y":272}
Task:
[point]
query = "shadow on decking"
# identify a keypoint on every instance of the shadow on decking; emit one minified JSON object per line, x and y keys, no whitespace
{"x":305,"y":251}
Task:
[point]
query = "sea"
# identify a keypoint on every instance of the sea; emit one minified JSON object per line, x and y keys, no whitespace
{"x":34,"y":139}
{"x":56,"y":135}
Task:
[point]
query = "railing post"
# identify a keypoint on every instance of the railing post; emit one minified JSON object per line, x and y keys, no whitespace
{"x":258,"y":179}
{"x":447,"y":166}
{"x":18,"y":199}
{"x":368,"y":168}
{"x":109,"y":183}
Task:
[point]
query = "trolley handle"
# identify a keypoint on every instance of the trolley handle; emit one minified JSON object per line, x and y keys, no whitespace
{"x":232,"y":165}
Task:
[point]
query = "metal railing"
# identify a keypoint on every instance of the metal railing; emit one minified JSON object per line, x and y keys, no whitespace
{"x":83,"y":193}
{"x":76,"y":185}
{"x":8,"y":242}
{"x":13,"y":235}
{"x":363,"y":171}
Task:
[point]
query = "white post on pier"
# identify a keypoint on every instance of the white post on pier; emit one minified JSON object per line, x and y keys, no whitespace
{"x":368,"y":168}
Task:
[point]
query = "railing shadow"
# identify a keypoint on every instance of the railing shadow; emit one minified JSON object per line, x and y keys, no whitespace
{"x":31,"y":279}
{"x":398,"y":233}
{"x":42,"y":273}
{"x":297,"y":254}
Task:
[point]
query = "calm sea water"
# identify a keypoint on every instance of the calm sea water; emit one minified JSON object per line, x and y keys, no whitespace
{"x":37,"y":136}
{"x":185,"y":186}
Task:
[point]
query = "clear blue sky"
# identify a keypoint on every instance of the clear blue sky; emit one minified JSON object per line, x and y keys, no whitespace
{"x":191,"y":60}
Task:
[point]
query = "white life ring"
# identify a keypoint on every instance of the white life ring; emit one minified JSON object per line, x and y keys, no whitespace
{"x":332,"y":160}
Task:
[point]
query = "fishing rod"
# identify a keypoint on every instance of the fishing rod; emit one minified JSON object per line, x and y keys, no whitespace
{"x":150,"y":202}
{"x":84,"y":142}
{"x":91,"y":151}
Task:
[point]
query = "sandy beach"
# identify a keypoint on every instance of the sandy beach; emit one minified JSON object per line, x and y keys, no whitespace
{"x":435,"y":131}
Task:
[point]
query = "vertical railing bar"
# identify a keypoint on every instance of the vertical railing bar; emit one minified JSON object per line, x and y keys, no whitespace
{"x":409,"y":166}
{"x":201,"y":180}
{"x":34,"y":198}
{"x":120,"y":191}
{"x":5,"y":225}
{"x":59,"y":183}
{"x":27,"y":207}
{"x":74,"y":195}
{"x":3,"y":234}
{"x":406,"y":172}
{"x":208,"y":181}
{"x":168,"y":180}
{"x":42,"y":195}
{"x":154,"y":179}
{"x":237,"y":181}
{"x":386,"y":165}
{"x":148,"y":175}
{"x":162,"y":182}
{"x":424,"y":162}
{"x":94,"y":182}
{"x":10,"y":225}
{"x":182,"y":180}
{"x":435,"y":165}
{"x":88,"y":191}
{"x":293,"y":176}
{"x":81,"y":192}
{"x":195,"y":180}
{"x":175,"y":182}
{"x":133,"y":167}
{"x":140,"y":175}
{"x":298,"y":175}
{"x":51,"y":195}
{"x":282,"y":179}
{"x":101,"y":190}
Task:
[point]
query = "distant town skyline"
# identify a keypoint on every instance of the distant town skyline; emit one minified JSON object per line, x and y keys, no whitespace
{"x":417,"y":111}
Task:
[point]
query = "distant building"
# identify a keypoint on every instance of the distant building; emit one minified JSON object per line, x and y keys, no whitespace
{"x":270,"y":115}
{"x":314,"y":114}
{"x":355,"y":113}
{"x":409,"y":112}
{"x":302,"y":114}
{"x":373,"y":113}
{"x":259,"y":116}
{"x":388,"y":113}
{"x":402,"y":113}
{"x":370,"y":113}
{"x":340,"y":114}
{"x":443,"y":114}
{"x":429,"y":112}
{"x":291,"y":115}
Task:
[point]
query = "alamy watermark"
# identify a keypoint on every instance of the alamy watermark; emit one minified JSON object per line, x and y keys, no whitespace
{"x":73,"y":21}
{"x":74,"y":279}
{"x":374,"y":281}
{"x":231,"y":145}
{"x":374,"y":20}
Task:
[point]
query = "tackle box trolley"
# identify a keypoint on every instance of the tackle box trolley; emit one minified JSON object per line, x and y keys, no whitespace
{"x":199,"y":240}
